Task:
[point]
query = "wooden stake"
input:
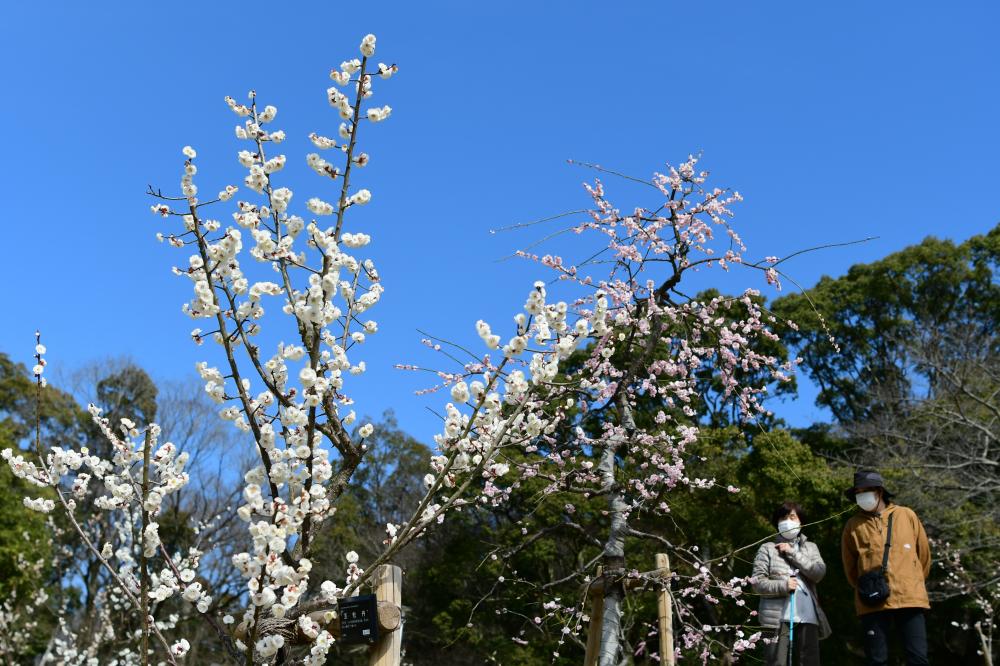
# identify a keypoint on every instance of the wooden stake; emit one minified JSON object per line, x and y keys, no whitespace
{"x":665,"y":611}
{"x":388,"y":588}
{"x":594,"y":630}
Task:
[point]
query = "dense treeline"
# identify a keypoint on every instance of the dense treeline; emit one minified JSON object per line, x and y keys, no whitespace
{"x":905,"y":353}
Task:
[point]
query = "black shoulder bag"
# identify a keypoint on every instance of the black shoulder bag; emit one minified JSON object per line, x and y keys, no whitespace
{"x":873,"y":586}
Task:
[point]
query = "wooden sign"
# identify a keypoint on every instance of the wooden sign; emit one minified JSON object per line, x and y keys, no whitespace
{"x":358,"y":620}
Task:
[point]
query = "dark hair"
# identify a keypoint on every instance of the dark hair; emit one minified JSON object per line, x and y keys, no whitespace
{"x":786,"y":508}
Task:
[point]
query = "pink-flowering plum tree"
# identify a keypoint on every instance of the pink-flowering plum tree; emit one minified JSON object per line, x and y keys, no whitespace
{"x":518,"y":410}
{"x":574,"y":425}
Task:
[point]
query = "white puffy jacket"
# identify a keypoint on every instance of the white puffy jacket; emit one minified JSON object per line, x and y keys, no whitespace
{"x":771,"y":570}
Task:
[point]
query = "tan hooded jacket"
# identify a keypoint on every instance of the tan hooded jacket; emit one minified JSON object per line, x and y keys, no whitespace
{"x":909,"y":557}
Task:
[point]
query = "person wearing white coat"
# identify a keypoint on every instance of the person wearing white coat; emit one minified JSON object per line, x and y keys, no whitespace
{"x":790,"y":564}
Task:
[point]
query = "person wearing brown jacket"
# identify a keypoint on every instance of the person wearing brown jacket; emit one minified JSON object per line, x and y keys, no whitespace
{"x":863,"y":545}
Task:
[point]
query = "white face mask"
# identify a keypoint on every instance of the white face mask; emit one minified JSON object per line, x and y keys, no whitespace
{"x":789,"y":528}
{"x":867,"y":500}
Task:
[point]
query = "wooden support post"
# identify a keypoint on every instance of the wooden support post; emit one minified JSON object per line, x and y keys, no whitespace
{"x":594,"y":629}
{"x":388,"y":586}
{"x":666,"y":612}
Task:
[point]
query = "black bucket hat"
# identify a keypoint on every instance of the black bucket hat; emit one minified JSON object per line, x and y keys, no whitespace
{"x":867,"y":478}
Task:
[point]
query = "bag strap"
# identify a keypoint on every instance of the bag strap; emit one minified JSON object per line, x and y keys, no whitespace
{"x":888,"y":545}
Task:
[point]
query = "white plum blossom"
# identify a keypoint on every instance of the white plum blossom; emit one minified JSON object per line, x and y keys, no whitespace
{"x":180,"y":648}
{"x":40,"y":504}
{"x":268,"y":114}
{"x":321,"y":166}
{"x":319,"y":207}
{"x":492,"y":341}
{"x":378,"y":114}
{"x":321,"y":142}
{"x":460,"y":392}
{"x":355,"y":241}
{"x":268,"y":646}
{"x":361,"y":197}
{"x":368,"y":46}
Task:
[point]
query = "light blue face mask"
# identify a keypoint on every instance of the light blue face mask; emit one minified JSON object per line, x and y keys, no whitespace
{"x":789,"y":528}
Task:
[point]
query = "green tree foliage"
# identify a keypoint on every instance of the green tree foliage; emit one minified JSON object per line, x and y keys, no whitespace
{"x":128,"y":393}
{"x":853,"y":330}
{"x":25,"y":540}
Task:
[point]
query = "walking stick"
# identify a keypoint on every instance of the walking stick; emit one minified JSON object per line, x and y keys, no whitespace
{"x":791,"y":629}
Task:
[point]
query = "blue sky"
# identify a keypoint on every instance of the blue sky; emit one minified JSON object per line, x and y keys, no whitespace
{"x":836,"y":121}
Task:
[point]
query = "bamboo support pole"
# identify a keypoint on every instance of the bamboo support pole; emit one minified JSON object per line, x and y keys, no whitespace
{"x":665,"y":612}
{"x":594,"y":629}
